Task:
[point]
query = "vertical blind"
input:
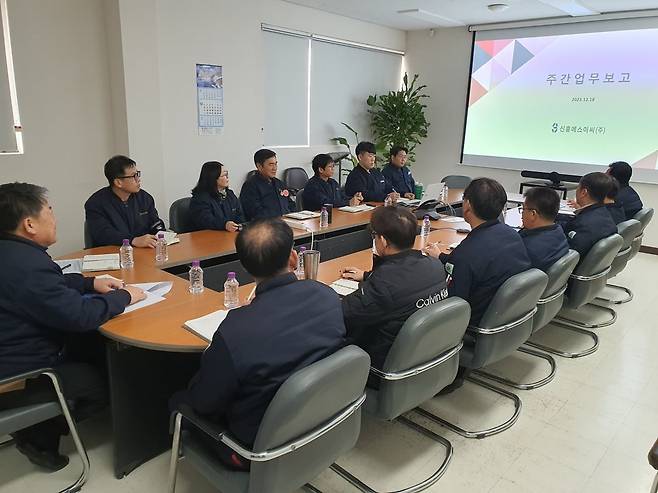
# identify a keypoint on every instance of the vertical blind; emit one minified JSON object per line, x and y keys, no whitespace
{"x":8,"y":142}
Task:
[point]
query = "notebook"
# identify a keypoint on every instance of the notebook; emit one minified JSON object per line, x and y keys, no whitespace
{"x":295,"y":224}
{"x":302,"y":215}
{"x":109,"y":261}
{"x":356,"y":208}
{"x":408,"y":202}
{"x":344,"y":286}
{"x":206,"y":326}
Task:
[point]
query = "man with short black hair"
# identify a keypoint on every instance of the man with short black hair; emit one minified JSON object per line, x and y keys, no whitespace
{"x":592,"y":221}
{"x":322,"y":189}
{"x":627,"y":197}
{"x":402,"y":280}
{"x":365,"y":178}
{"x":544,"y":240}
{"x":614,"y":208}
{"x":122,"y":210}
{"x":399,"y":175}
{"x":289,"y":325}
{"x":48,"y":320}
{"x":264,"y":195}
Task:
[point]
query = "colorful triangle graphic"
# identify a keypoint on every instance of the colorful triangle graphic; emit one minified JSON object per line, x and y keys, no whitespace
{"x":535,"y":45}
{"x":477,"y":91}
{"x":483,"y":75}
{"x":480,"y":57}
{"x":521,"y":56}
{"x":501,"y":44}
{"x":498,"y":74}
{"x":506,"y":57}
{"x":487,"y":46}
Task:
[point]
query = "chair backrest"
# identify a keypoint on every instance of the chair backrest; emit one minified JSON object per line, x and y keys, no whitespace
{"x":295,"y":178}
{"x":307,"y":400}
{"x":456,"y":181}
{"x":644,"y":216}
{"x":628,"y":230}
{"x":427,"y":335}
{"x":180,"y":220}
{"x":552,"y":298}
{"x":299,"y":200}
{"x":251,"y":173}
{"x":89,"y":243}
{"x":590,"y":277}
{"x":507,"y":322}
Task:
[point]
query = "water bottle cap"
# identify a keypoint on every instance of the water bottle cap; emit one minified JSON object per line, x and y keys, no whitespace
{"x":302,"y":249}
{"x":324,"y":209}
{"x":126,"y":242}
{"x":426,"y":216}
{"x":231,"y":275}
{"x":161,"y":235}
{"x":195,"y":263}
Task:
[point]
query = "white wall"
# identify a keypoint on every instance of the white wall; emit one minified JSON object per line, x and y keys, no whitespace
{"x":443,"y":63}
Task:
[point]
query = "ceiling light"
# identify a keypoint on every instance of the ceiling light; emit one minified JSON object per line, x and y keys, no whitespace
{"x":498,"y":7}
{"x":430,"y":17}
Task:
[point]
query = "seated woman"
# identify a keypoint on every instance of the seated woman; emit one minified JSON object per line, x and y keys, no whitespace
{"x":213,"y":204}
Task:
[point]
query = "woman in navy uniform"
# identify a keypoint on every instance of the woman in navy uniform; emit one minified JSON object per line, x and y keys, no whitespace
{"x":213,"y":204}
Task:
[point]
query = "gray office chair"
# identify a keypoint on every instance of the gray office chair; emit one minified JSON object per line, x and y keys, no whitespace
{"x":13,"y":420}
{"x":456,"y":181}
{"x":295,"y":179}
{"x":585,"y":284}
{"x":422,"y":360}
{"x":180,"y":220}
{"x":299,"y":200}
{"x":653,"y":461}
{"x":548,"y":307}
{"x":628,"y":230}
{"x":314,"y":417}
{"x":89,"y":243}
{"x":504,"y":327}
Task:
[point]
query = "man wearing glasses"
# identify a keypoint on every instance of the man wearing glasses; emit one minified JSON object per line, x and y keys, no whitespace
{"x":122,"y":210}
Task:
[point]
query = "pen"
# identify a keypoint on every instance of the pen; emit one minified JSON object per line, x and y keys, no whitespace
{"x":66,"y":267}
{"x":251,"y":294}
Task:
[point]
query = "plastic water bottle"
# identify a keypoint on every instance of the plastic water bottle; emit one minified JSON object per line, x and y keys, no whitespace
{"x":161,"y":254}
{"x":126,"y":255}
{"x":196,"y":278}
{"x":425,"y":228}
{"x":231,"y":296}
{"x":444,"y":193}
{"x":324,"y":218}
{"x":300,"y":263}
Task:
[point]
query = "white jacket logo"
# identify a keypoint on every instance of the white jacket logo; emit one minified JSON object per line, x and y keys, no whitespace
{"x":435,"y":298}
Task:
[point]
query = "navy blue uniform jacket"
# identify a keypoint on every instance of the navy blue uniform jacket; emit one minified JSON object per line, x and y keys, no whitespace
{"x":372,"y":185}
{"x":400,"y":179}
{"x":261,"y":198}
{"x":589,"y":225}
{"x":545,"y":245}
{"x":490,"y":254}
{"x":629,"y":200}
{"x":38,"y":303}
{"x":110,"y":220}
{"x":318,"y":192}
{"x":616,"y":212}
{"x":397,"y":286}
{"x":289,"y":325}
{"x":213,"y":212}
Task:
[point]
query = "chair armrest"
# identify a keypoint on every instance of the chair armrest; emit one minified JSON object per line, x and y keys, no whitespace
{"x":210,"y":428}
{"x":11,"y":387}
{"x":25,"y":376}
{"x":653,"y":456}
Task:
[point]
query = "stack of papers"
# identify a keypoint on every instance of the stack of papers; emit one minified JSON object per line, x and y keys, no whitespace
{"x":404,"y":201}
{"x":206,"y":326}
{"x":344,"y":286}
{"x":452,"y":219}
{"x":302,"y":215}
{"x":295,"y":224}
{"x":356,"y":208}
{"x":155,"y":292}
{"x":108,"y":261}
{"x":70,"y":266}
{"x":171,"y":237}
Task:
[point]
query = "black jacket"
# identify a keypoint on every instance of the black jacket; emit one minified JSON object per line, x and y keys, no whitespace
{"x":545,"y":245}
{"x":318,"y":192}
{"x":372,"y":185}
{"x":213,"y":212}
{"x":589,"y":225}
{"x":630,"y":201}
{"x":261,"y":198}
{"x":400,"y":179}
{"x":289,"y":325}
{"x":38,"y":303}
{"x":616,"y":212}
{"x":490,"y":254}
{"x":397,"y":286}
{"x":111,"y":220}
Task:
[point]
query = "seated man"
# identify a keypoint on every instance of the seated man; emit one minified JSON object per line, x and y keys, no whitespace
{"x":402,"y":280}
{"x":122,"y":210}
{"x":264,"y":195}
{"x":248,"y":359}
{"x":627,"y":196}
{"x":365,"y":178}
{"x":544,"y":240}
{"x":614,"y":208}
{"x":399,"y":175}
{"x":592,"y":221}
{"x":323,"y":189}
{"x":40,"y":308}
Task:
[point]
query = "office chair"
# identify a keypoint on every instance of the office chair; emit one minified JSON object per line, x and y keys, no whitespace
{"x":13,"y":420}
{"x":456,"y":181}
{"x":89,"y":243}
{"x":299,"y":200}
{"x":295,"y":179}
{"x":504,"y":327}
{"x":180,"y":219}
{"x":314,"y":417}
{"x":653,"y":461}
{"x":422,"y":360}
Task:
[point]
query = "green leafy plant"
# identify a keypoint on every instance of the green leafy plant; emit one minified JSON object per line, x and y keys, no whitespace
{"x":346,"y":143}
{"x":398,"y":118}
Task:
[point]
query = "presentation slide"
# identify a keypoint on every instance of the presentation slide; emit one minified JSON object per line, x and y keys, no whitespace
{"x":585,"y":99}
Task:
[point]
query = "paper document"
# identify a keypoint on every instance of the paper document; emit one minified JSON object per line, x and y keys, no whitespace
{"x":356,"y":208}
{"x":404,"y":201}
{"x":344,"y":286}
{"x":70,"y":266}
{"x":454,"y":245}
{"x":206,"y":326}
{"x":171,"y":237}
{"x":295,"y":224}
{"x":452,"y":219}
{"x":108,"y":261}
{"x":302,"y":215}
{"x":155,"y":292}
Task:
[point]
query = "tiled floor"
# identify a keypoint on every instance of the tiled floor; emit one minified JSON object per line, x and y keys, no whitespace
{"x":588,"y":431}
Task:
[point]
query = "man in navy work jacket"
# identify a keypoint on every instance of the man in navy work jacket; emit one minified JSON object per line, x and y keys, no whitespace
{"x":44,"y":316}
{"x":627,"y":196}
{"x":544,"y":240}
{"x":322,"y":189}
{"x":592,"y":221}
{"x":399,"y":175}
{"x":615,"y":209}
{"x":365,"y":178}
{"x":264,"y":195}
{"x":122,"y":210}
{"x":402,"y":281}
{"x":289,"y":325}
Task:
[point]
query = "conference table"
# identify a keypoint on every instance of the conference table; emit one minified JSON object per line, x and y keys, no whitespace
{"x":150,"y":354}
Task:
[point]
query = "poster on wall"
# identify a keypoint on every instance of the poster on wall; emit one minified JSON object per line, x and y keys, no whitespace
{"x":210,"y":98}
